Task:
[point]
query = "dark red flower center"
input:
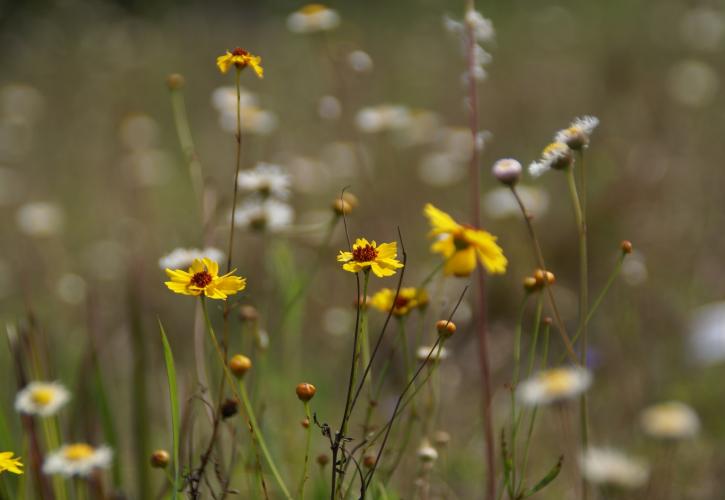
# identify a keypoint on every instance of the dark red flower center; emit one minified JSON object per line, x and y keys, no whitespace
{"x":364,"y":254}
{"x":239,"y":52}
{"x":201,"y":279}
{"x":401,"y":302}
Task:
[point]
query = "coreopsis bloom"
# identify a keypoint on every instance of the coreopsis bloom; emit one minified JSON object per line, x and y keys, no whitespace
{"x":462,"y":246}
{"x":203,"y":278}
{"x":10,"y":463}
{"x":365,"y":255}
{"x":241,"y":59}
{"x":313,"y":18}
{"x":576,"y":136}
{"x":184,"y":257}
{"x":554,"y":386}
{"x":264,"y":215}
{"x":606,"y":466}
{"x":78,"y":459}
{"x":265,"y":179}
{"x":41,"y":398}
{"x":408,"y":299}
{"x":556,"y":155}
{"x":671,"y":420}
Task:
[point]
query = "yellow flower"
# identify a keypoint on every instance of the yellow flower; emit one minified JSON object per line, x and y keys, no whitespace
{"x":203,"y":277}
{"x":10,"y":464}
{"x":461,"y":245}
{"x":408,"y":299}
{"x":381,"y":259}
{"x":241,"y":59}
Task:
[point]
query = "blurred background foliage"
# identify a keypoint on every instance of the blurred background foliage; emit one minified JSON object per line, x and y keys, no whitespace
{"x":86,"y":125}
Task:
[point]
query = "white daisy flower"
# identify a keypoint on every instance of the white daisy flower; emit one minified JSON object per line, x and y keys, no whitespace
{"x":382,"y":118}
{"x":671,"y":420}
{"x":422,"y":353}
{"x":360,"y":61}
{"x":576,"y":136}
{"x":264,"y":215}
{"x":40,"y":219}
{"x":78,"y":459}
{"x":41,"y":398}
{"x":265,"y":179}
{"x":556,"y":155}
{"x":554,"y":385}
{"x":312,"y":18}
{"x":181,"y":258}
{"x":606,"y":466}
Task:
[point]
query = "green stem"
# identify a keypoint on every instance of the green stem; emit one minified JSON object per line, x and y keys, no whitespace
{"x":241,"y":393}
{"x":308,"y":431}
{"x":514,"y":383}
{"x":363,"y":322}
{"x":580,"y":217}
{"x":237,"y":166}
{"x":183,"y":131}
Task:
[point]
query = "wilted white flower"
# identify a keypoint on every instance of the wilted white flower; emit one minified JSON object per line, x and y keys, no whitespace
{"x":671,"y":420}
{"x":41,"y":398}
{"x":500,"y":202}
{"x":482,"y":27}
{"x":264,"y":215}
{"x":329,"y":108}
{"x":40,"y":219}
{"x":360,"y":61}
{"x":576,"y":136}
{"x":384,"y":117}
{"x":606,"y":466}
{"x":554,"y":385}
{"x":71,"y":288}
{"x":265,"y":179}
{"x":556,"y":155}
{"x":707,"y":333}
{"x":181,"y":258}
{"x":78,"y":459}
{"x":426,"y":453}
{"x":422,"y":353}
{"x":312,"y":18}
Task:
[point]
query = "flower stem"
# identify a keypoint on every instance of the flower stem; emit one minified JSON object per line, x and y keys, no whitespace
{"x":237,"y":166}
{"x":308,"y":431}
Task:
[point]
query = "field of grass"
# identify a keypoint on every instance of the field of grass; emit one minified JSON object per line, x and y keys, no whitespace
{"x":376,"y":249}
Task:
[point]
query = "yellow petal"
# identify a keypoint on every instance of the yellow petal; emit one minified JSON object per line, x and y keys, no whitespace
{"x":380,"y":271}
{"x":444,"y":246}
{"x":211,"y":267}
{"x":440,"y":221}
{"x":178,"y":275}
{"x":344,"y":257}
{"x":462,"y":263}
{"x":388,"y":250}
{"x":197,"y":266}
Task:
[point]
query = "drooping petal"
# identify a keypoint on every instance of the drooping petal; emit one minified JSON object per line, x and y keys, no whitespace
{"x":461,"y":263}
{"x":440,"y":221}
{"x":444,"y":246}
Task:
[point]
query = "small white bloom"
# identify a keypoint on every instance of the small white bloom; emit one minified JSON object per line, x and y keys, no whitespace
{"x":384,"y":117}
{"x":41,"y":398}
{"x":181,"y":258}
{"x":426,"y":453}
{"x":40,"y":219}
{"x":422,"y":353}
{"x":329,"y":108}
{"x":264,"y":215}
{"x":77,"y":459}
{"x":556,"y":155}
{"x":265,"y":179}
{"x":554,"y":385}
{"x":576,"y":136}
{"x":452,"y":26}
{"x":313,"y":18}
{"x":611,"y":467}
{"x":482,"y":27}
{"x":253,"y":120}
{"x":71,"y":288}
{"x":707,"y":333}
{"x":507,"y":171}
{"x":360,"y":61}
{"x":671,"y":420}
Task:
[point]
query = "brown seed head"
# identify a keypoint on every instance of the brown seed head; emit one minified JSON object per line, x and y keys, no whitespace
{"x":305,"y":391}
{"x":175,"y":81}
{"x":239,"y":365}
{"x":159,"y":459}
{"x":323,"y":459}
{"x":626,"y":247}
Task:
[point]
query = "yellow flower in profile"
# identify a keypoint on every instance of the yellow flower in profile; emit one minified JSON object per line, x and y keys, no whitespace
{"x":462,"y":245}
{"x":366,"y":255}
{"x":203,"y":277}
{"x":408,"y":299}
{"x":241,"y":59}
{"x":10,"y":463}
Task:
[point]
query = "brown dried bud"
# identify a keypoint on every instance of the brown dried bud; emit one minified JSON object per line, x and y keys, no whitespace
{"x":175,"y":81}
{"x":248,"y":312}
{"x":323,"y":459}
{"x":229,"y":408}
{"x":445,"y":328}
{"x":626,"y":247}
{"x":305,"y":391}
{"x":548,"y":321}
{"x":239,"y":365}
{"x":159,"y":459}
{"x":369,"y":461}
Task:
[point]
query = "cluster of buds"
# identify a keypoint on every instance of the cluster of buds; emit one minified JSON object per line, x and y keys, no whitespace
{"x":445,"y":328}
{"x":539,"y":280}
